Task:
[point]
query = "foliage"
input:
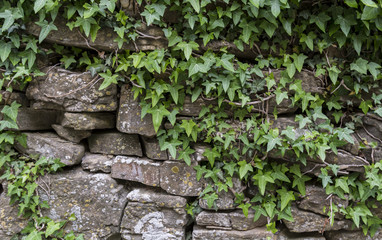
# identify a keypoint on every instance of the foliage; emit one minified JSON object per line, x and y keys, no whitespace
{"x":225,"y":53}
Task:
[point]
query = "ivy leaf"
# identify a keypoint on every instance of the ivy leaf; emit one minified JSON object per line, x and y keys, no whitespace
{"x":255,"y":3}
{"x":345,"y":134}
{"x":280,"y":96}
{"x":321,"y":151}
{"x":172,"y":116}
{"x":345,"y":23}
{"x":286,"y":197}
{"x":300,"y":183}
{"x":320,"y":20}
{"x":185,"y":155}
{"x":158,"y":112}
{"x":197,"y":68}
{"x":360,"y":66}
{"x":225,"y":61}
{"x":45,"y":29}
{"x":5,"y":50}
{"x":244,"y":168}
{"x":342,"y":183}
{"x":188,"y":125}
{"x":365,"y":106}
{"x":369,"y":3}
{"x":11,"y":111}
{"x":268,"y":27}
{"x":51,"y":228}
{"x":195,"y":4}
{"x":211,"y":155}
{"x":379,"y":111}
{"x":187,"y":48}
{"x":333,"y":74}
{"x":263,"y":179}
{"x":299,"y":61}
{"x":272,"y":142}
{"x":38,"y":4}
{"x":369,"y":13}
{"x":230,"y":167}
{"x":109,"y":78}
{"x":9,"y":19}
{"x":289,"y":132}
{"x":248,"y":28}
{"x":373,"y":69}
{"x":34,"y":235}
{"x":275,"y":7}
{"x":171,"y":147}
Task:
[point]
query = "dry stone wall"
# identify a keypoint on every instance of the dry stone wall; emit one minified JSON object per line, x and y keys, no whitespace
{"x":120,"y":185}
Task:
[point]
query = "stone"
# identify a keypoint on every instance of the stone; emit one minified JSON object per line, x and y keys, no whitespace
{"x":97,"y":162}
{"x":305,"y":221}
{"x":234,"y":220}
{"x":88,"y":121}
{"x":136,"y":169}
{"x":9,"y":97}
{"x":122,"y":144}
{"x":178,"y":178}
{"x":260,"y":233}
{"x":129,"y":115}
{"x":316,"y":200}
{"x":10,"y":223}
{"x":71,"y":134}
{"x":199,"y":151}
{"x":96,"y":200}
{"x":52,"y":146}
{"x":105,"y":37}
{"x":353,"y":235}
{"x":32,"y":120}
{"x":285,"y":235}
{"x":61,"y":89}
{"x":154,"y":215}
{"x":225,"y":201}
{"x":152,"y":150}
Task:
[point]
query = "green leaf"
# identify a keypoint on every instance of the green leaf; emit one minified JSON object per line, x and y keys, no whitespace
{"x":342,"y":183}
{"x":211,"y":155}
{"x":244,"y":168}
{"x":268,"y":27}
{"x":188,"y":125}
{"x":45,"y":29}
{"x":52,"y":227}
{"x":38,"y":4}
{"x":360,"y":66}
{"x":369,"y":3}
{"x":275,"y":7}
{"x":345,"y":134}
{"x":365,"y":106}
{"x":373,"y":69}
{"x":158,"y":112}
{"x":370,"y":13}
{"x":109,"y":78}
{"x":9,"y":19}
{"x":11,"y":111}
{"x":352,"y":3}
{"x":263,"y":179}
{"x":280,"y":96}
{"x":185,"y":155}
{"x":34,"y":235}
{"x":187,"y":48}
{"x":300,"y":183}
{"x":286,"y":197}
{"x":171,"y":147}
{"x":255,"y":3}
{"x":5,"y":50}
{"x":195,"y":4}
{"x":299,"y":61}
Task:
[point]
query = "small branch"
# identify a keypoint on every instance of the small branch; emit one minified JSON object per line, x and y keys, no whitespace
{"x":143,"y":35}
{"x":100,"y":54}
{"x":371,"y":135}
{"x":250,"y":103}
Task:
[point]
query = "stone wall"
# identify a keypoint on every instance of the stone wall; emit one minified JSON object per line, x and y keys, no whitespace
{"x":120,"y":185}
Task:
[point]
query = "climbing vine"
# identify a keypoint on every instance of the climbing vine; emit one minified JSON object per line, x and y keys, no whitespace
{"x":245,"y":62}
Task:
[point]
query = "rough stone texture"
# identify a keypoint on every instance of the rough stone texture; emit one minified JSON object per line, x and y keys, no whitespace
{"x":351,"y":235}
{"x":71,"y":91}
{"x":105,"y":38}
{"x":88,"y":121}
{"x":152,"y":150}
{"x":180,"y":179}
{"x":154,"y":215}
{"x":199,"y":150}
{"x":316,"y":200}
{"x":305,"y":221}
{"x":71,"y":134}
{"x":9,"y":97}
{"x":51,"y":145}
{"x":129,"y":115}
{"x":10,"y":223}
{"x":285,"y":235}
{"x":136,"y":169}
{"x":97,"y":162}
{"x":96,"y":200}
{"x":122,"y":144}
{"x":261,"y":233}
{"x":235,"y":220}
{"x":225,"y":201}
{"x":32,"y":120}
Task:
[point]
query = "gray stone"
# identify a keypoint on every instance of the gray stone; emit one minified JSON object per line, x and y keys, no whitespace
{"x":10,"y":223}
{"x":225,"y":201}
{"x":353,"y":235}
{"x":105,"y":37}
{"x":152,"y":150}
{"x":153,"y":215}
{"x":129,"y":115}
{"x":235,"y":220}
{"x":305,"y":221}
{"x":285,"y":235}
{"x":316,"y":200}
{"x":62,"y":89}
{"x":115,"y":143}
{"x":96,"y":200}
{"x":52,"y":146}
{"x":179,"y":179}
{"x":199,"y":151}
{"x":136,"y":169}
{"x":9,"y":97}
{"x":97,"y":162}
{"x":88,"y":121}
{"x":32,"y":120}
{"x":261,"y":233}
{"x":71,"y":134}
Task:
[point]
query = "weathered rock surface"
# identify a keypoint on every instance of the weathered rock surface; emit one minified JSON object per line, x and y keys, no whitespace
{"x":115,"y":143}
{"x":154,"y":215}
{"x":136,"y":169}
{"x":235,"y":220}
{"x":61,"y":89}
{"x":88,"y":121}
{"x":225,"y":201}
{"x":305,"y":221}
{"x":316,"y":200}
{"x":129,"y":115}
{"x":261,"y":233}
{"x":10,"y":223}
{"x":97,"y":162}
{"x":96,"y":200}
{"x":105,"y":38}
{"x":285,"y":235}
{"x":351,"y":235}
{"x":71,"y":134}
{"x":152,"y":150}
{"x":180,"y":179}
{"x":31,"y":119}
{"x":9,"y":97}
{"x":51,"y":145}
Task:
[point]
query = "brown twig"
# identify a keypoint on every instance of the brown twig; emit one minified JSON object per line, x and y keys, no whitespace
{"x":95,"y":80}
{"x":143,"y":35}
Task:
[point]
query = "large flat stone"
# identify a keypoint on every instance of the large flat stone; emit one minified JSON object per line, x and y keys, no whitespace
{"x":32,"y":119}
{"x":136,"y":169}
{"x":261,"y":233}
{"x":96,"y":200}
{"x":97,"y":162}
{"x":129,"y":118}
{"x":115,"y":143}
{"x":154,"y":215}
{"x":9,"y":97}
{"x":62,"y":89}
{"x":351,"y":235}
{"x":88,"y":121}
{"x":305,"y":221}
{"x":70,"y":134}
{"x":179,"y":179}
{"x":51,"y":145}
{"x":152,"y":150}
